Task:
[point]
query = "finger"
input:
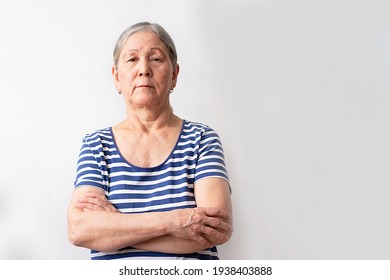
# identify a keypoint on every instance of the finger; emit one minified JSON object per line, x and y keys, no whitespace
{"x":92,"y":200}
{"x":95,"y":195}
{"x":96,"y":204}
{"x":99,"y":199}
{"x":216,"y":212}
{"x":111,"y":208}
{"x":218,"y":224}
{"x":200,"y":239}
{"x":90,"y":206}
{"x":214,"y":236}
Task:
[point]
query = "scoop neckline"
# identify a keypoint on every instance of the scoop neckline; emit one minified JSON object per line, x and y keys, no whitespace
{"x":153,"y":167}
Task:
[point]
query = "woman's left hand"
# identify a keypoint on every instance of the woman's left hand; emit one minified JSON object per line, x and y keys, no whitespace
{"x":95,"y":202}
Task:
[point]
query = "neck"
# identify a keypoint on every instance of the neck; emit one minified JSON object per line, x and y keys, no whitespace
{"x":147,"y":120}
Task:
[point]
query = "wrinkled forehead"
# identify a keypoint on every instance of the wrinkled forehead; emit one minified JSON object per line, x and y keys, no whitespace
{"x":144,"y":41}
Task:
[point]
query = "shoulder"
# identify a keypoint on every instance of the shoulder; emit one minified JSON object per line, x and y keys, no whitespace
{"x":197,"y":127}
{"x":98,"y":136}
{"x":203,"y":132}
{"x":104,"y":132}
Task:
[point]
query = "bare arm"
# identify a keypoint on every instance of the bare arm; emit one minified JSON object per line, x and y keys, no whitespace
{"x":94,"y":223}
{"x":109,"y":230}
{"x":209,"y":192}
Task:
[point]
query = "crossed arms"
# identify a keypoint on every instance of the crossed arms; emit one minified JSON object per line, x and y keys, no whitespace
{"x":94,"y":223}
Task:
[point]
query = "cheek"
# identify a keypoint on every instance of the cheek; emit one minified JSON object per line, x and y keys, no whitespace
{"x":126,"y":75}
{"x":166,"y":78}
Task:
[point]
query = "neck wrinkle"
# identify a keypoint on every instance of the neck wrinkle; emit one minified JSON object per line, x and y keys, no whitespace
{"x":148,"y":121}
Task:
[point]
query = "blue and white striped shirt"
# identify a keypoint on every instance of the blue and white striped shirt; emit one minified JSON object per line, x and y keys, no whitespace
{"x":131,"y":189}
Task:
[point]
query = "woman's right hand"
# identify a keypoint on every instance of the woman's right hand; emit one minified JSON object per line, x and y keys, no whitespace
{"x":206,"y":226}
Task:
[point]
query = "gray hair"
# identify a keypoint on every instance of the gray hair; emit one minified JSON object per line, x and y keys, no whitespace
{"x":146,"y":26}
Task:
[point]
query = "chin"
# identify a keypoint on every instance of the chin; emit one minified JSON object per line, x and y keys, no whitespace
{"x":145,"y":103}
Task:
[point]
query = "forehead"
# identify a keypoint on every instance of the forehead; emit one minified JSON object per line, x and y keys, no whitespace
{"x":144,"y":40}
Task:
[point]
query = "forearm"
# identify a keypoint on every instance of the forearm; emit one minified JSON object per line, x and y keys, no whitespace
{"x":94,"y":223}
{"x":107,"y":231}
{"x":171,"y":245}
{"x":215,"y":233}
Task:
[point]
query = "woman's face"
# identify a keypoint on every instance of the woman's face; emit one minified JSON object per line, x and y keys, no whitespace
{"x":145,"y":74}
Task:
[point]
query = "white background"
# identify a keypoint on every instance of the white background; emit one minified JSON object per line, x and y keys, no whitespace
{"x":297,"y":90}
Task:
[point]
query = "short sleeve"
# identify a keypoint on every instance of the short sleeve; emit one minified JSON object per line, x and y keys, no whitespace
{"x":211,"y":159}
{"x":89,"y":166}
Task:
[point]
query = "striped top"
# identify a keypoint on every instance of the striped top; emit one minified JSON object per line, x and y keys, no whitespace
{"x":197,"y":154}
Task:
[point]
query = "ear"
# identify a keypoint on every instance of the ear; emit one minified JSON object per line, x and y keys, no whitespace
{"x":115,"y":76}
{"x":175,"y":75}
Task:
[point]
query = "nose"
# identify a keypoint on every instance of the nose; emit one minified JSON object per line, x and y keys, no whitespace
{"x":144,"y":68}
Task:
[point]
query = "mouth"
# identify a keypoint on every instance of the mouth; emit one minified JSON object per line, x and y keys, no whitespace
{"x":143,"y":86}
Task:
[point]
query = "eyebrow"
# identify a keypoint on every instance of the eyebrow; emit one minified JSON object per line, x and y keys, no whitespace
{"x":151,"y":49}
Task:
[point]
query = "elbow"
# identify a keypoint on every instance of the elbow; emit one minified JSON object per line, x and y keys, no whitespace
{"x":75,"y":236}
{"x":80,"y":232}
{"x":77,"y":231}
{"x":80,"y":236}
{"x":75,"y":240}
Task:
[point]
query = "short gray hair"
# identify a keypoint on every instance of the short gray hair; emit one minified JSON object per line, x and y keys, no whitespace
{"x":146,"y":26}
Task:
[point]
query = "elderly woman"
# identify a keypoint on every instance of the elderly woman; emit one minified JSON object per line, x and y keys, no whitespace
{"x":153,"y":185}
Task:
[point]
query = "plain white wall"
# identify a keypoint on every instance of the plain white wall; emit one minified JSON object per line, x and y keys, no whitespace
{"x":298,"y":91}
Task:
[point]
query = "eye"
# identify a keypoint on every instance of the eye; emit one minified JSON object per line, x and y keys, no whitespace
{"x":131,"y":59}
{"x":156,"y":59}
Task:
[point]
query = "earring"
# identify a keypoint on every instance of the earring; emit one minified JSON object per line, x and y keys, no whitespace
{"x":171,"y":90}
{"x":119,"y":92}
